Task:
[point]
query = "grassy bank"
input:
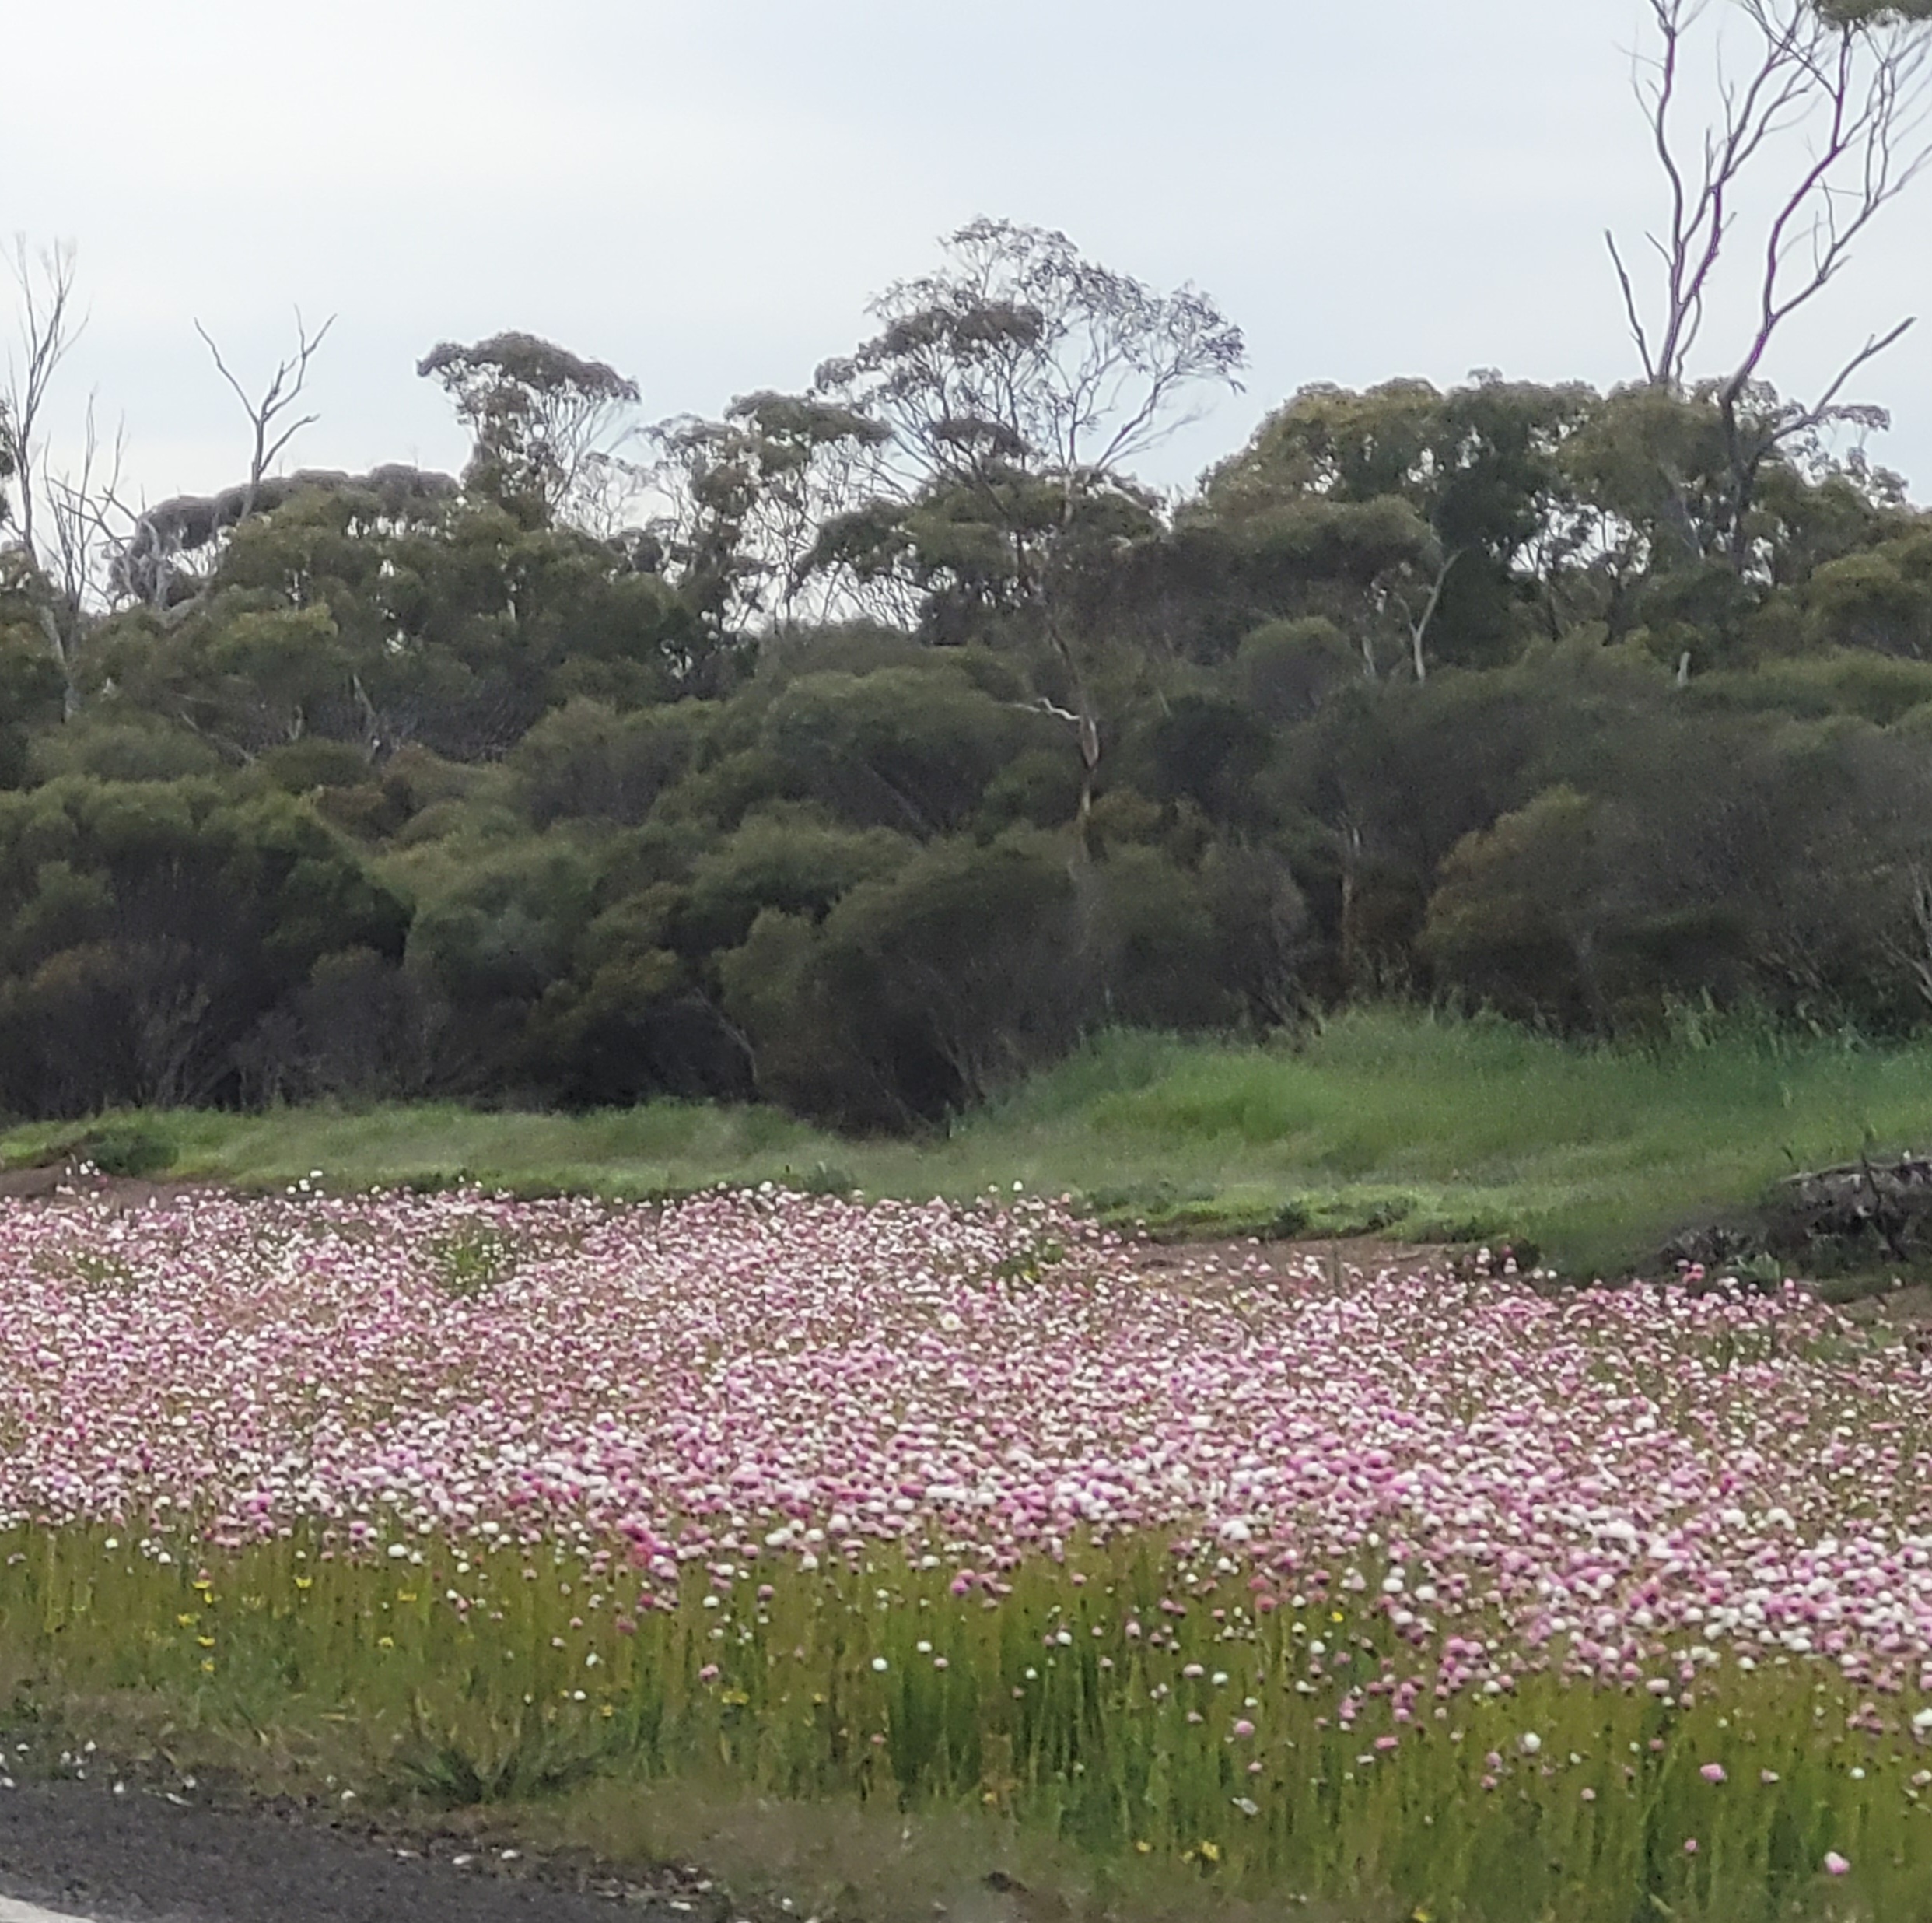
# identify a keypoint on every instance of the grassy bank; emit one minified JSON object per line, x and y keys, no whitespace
{"x":1385,"y":1122}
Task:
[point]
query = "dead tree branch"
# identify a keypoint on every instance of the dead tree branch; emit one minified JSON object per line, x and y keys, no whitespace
{"x":1854,"y":84}
{"x":47,"y":329}
{"x":272,"y":432}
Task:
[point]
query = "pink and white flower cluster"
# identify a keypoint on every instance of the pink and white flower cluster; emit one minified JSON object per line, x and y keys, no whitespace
{"x":1616,"y":1480}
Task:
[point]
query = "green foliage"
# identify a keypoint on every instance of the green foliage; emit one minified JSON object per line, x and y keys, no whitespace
{"x":914,"y":741}
{"x":150,"y":927}
{"x":540,"y":416}
{"x":585,"y":761}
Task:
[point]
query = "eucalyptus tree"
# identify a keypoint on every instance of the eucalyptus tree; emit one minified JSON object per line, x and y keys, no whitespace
{"x":1436,"y":509}
{"x":1017,"y":382}
{"x":548,"y":424}
{"x":741,"y":502}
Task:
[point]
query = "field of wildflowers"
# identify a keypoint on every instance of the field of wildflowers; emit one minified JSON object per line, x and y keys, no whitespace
{"x":1403,"y":1593}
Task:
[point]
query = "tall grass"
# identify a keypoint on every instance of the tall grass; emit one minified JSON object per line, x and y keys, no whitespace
{"x":1388,"y":1122}
{"x":1202,"y":1752}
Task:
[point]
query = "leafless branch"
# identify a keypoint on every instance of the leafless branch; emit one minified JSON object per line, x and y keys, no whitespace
{"x":1633,"y":313}
{"x":1857,"y":85}
{"x":47,"y":329}
{"x":1859,"y":89}
{"x":86,"y":523}
{"x":272,"y":432}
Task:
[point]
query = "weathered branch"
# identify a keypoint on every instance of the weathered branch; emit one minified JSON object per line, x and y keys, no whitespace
{"x":1419,"y":626}
{"x":1633,"y":313}
{"x":1861,"y":86}
{"x":1866,"y":80}
{"x":48,"y":332}
{"x":271,"y":437}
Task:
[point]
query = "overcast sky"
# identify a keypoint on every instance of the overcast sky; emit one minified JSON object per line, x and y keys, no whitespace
{"x":705,"y":192}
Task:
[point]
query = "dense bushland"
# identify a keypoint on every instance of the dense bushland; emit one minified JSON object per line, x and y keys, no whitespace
{"x":866,"y":749}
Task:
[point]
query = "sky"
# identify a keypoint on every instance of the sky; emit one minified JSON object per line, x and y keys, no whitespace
{"x":706,"y":193}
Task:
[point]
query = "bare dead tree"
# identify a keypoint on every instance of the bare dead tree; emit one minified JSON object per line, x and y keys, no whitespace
{"x":1851,"y":79}
{"x":87,"y":524}
{"x":48,"y":328}
{"x":69,"y":518}
{"x":272,"y":432}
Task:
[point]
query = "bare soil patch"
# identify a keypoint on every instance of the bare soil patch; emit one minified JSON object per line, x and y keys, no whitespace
{"x":61,"y":1183}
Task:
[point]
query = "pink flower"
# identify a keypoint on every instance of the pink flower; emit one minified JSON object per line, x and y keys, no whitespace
{"x":1690,"y":1846}
{"x":1244,"y":1728}
{"x":1835,"y":1865}
{"x":1713,"y":1773}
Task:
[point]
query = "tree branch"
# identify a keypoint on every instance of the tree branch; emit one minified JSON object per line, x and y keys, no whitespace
{"x":283,"y":391}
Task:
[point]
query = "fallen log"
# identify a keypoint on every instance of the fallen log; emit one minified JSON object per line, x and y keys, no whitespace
{"x":1826,"y":1221}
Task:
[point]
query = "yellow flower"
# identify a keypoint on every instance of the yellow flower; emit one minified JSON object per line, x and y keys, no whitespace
{"x":405,"y":1595}
{"x":207,"y":1663}
{"x":187,"y":1620}
{"x":385,"y":1642}
{"x":305,"y":1582}
{"x":1211,"y":1851}
{"x":207,"y":1642}
{"x":1143,"y":1848}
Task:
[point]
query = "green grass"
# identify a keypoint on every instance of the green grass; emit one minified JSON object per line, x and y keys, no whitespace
{"x":1389,"y":1121}
{"x":1044,"y":1733}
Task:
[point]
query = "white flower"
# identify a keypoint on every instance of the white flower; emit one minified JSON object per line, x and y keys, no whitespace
{"x":1531,"y":1744}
